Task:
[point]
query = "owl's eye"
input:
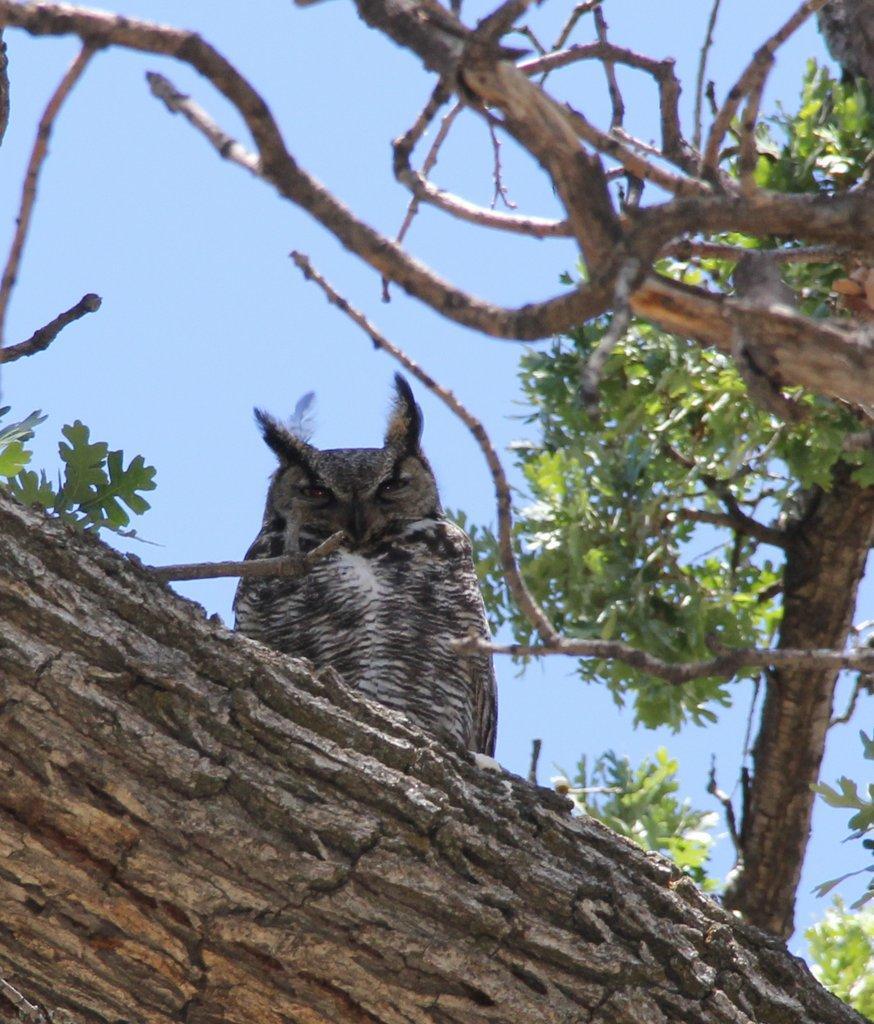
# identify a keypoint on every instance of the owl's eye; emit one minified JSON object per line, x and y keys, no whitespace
{"x":316,"y":492}
{"x":394,"y":485}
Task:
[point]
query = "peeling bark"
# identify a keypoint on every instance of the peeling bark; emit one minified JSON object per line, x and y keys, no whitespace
{"x":826,"y":552}
{"x":196,"y":828}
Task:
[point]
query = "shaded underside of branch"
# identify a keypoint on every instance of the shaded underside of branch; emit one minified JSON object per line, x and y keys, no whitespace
{"x":195,"y":827}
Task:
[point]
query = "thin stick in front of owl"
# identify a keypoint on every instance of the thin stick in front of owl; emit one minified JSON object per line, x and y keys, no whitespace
{"x":521,"y":594}
{"x":285,"y":565}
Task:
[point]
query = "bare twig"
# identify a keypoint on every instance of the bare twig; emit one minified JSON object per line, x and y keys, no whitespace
{"x":520,"y":224}
{"x":864,"y":682}
{"x":662,"y":71}
{"x":759,"y":65}
{"x":525,"y":601}
{"x":748,"y":151}
{"x":42,"y":338}
{"x":702,"y":71}
{"x":618,"y":107}
{"x":403,"y":147}
{"x":594,"y":367}
{"x":723,"y":666}
{"x":727,"y":807}
{"x":570,"y":24}
{"x":425,"y":191}
{"x":31,"y":176}
{"x":633,"y":162}
{"x":284,"y":566}
{"x":178,"y":103}
{"x":4,"y":87}
{"x":535,"y":757}
{"x":497,"y":175}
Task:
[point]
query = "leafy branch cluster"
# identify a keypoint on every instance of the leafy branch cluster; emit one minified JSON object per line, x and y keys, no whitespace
{"x":94,"y":489}
{"x":847,"y":795}
{"x":660,"y":520}
{"x":841,"y":949}
{"x":640,"y":803}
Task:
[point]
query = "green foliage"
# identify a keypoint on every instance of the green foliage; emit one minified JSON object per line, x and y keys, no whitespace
{"x":861,"y":823}
{"x":613,"y":532}
{"x":826,"y":144}
{"x":640,"y":803}
{"x":841,"y":949}
{"x":94,"y":487}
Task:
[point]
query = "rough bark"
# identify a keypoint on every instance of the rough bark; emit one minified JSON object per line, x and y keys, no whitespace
{"x":825,"y":561}
{"x":196,"y":828}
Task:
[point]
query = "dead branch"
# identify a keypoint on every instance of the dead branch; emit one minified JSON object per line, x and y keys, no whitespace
{"x":635,"y":164}
{"x":662,"y":71}
{"x":570,"y":24}
{"x":44,"y":336}
{"x":497,"y":172}
{"x":526,"y":602}
{"x":618,"y":107}
{"x":31,"y":177}
{"x":727,"y":806}
{"x":4,"y":88}
{"x":285,"y":566}
{"x":758,"y":66}
{"x":864,"y":682}
{"x":544,"y":129}
{"x":178,"y":103}
{"x":403,"y":147}
{"x":702,"y":70}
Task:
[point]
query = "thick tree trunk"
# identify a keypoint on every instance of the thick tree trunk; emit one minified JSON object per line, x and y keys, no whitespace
{"x":825,"y":562}
{"x":196,"y":828}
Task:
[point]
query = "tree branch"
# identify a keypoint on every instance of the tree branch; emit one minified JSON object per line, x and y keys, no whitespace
{"x":834,"y":362}
{"x":292,"y":182}
{"x":31,"y":177}
{"x":285,"y":566}
{"x":752,"y":74}
{"x":702,"y":70}
{"x":735,"y":519}
{"x":196,"y":827}
{"x":722,"y":666}
{"x":42,"y":338}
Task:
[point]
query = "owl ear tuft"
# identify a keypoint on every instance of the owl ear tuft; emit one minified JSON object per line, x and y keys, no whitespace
{"x":284,"y":443}
{"x":405,"y":423}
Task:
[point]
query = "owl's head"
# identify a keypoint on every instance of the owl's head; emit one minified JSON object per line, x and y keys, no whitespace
{"x":370,"y":493}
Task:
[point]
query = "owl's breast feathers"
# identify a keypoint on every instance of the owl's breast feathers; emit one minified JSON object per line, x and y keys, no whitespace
{"x":386,"y":618}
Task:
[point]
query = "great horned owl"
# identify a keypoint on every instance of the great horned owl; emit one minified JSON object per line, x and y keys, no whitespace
{"x":385,"y":608}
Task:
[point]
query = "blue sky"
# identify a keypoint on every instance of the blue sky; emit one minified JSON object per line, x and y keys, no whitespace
{"x":204,"y":316}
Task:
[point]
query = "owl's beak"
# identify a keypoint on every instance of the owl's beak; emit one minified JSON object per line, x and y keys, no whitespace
{"x":357,"y":524}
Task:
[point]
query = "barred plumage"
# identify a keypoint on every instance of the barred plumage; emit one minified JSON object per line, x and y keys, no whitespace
{"x":385,"y":608}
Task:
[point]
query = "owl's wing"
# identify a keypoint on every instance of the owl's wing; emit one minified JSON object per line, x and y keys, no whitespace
{"x":485,"y":705}
{"x":473,"y":619}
